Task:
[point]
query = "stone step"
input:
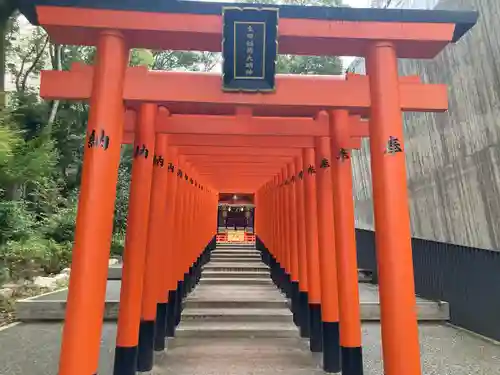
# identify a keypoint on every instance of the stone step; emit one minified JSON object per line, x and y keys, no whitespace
{"x":52,"y":306}
{"x":235,"y":274}
{"x":235,"y":245}
{"x":235,"y":258}
{"x":54,"y":310}
{"x":235,"y":253}
{"x":237,"y":248}
{"x":251,"y":272}
{"x":115,"y":272}
{"x":238,"y":253}
{"x":237,"y":315}
{"x":237,"y":329}
{"x":236,"y":267}
{"x":235,"y":281}
{"x":236,"y":302}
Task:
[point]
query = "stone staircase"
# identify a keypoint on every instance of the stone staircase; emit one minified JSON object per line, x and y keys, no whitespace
{"x":236,"y":298}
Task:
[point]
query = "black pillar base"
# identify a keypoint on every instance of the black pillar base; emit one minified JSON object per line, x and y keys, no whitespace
{"x":352,"y":361}
{"x":188,"y":281}
{"x":197,"y":272}
{"x":170,"y":328}
{"x":213,"y":243}
{"x":160,"y":326}
{"x":264,"y":253}
{"x":305,"y":325}
{"x":288,"y":284}
{"x":331,"y":347}
{"x":282,"y":279}
{"x":273,"y":265}
{"x":145,"y":349}
{"x":185,"y":289}
{"x":294,"y":286}
{"x":316,"y":337}
{"x":206,"y":255}
{"x":193,"y":275}
{"x":178,"y":302}
{"x":125,"y":360}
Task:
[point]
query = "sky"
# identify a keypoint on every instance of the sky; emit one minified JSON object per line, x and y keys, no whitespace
{"x":358,"y":3}
{"x":352,"y":3}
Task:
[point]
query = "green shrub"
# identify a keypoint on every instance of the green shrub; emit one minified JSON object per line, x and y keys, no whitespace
{"x":16,"y":222}
{"x":60,"y":226}
{"x":57,"y":256}
{"x":118,"y":243}
{"x":23,"y":258}
{"x":35,"y":255}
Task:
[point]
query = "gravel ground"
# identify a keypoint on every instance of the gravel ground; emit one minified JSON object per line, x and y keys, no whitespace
{"x":34,"y":349}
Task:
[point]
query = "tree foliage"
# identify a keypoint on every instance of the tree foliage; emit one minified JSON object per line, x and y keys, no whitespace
{"x":41,"y":144}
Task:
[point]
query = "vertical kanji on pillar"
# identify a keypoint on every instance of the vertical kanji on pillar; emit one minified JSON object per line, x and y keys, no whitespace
{"x":87,"y":287}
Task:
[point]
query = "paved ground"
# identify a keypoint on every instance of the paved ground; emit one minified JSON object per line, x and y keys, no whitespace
{"x":32,"y":349}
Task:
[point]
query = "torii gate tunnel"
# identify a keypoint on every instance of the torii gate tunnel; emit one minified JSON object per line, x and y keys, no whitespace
{"x":196,"y":135}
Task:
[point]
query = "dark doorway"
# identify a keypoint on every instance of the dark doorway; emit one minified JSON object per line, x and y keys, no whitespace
{"x":236,"y":211}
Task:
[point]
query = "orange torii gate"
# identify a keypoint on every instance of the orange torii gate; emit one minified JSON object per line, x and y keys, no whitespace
{"x":379,"y":35}
{"x":328,"y":284}
{"x":264,"y":136}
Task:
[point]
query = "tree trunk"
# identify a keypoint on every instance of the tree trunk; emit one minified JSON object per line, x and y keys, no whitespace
{"x":7,"y":7}
{"x":3,"y":28}
{"x":56,"y":65}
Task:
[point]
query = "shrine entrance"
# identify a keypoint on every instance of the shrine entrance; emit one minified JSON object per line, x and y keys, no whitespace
{"x":286,"y":139}
{"x":236,"y":211}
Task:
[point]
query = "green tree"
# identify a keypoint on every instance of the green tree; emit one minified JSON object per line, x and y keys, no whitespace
{"x":40,"y":156}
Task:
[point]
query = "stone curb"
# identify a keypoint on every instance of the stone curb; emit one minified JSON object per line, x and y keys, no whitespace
{"x":32,"y":310}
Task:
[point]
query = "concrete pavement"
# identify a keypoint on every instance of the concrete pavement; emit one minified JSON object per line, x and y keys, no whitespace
{"x":33,"y":349}
{"x":230,"y":329}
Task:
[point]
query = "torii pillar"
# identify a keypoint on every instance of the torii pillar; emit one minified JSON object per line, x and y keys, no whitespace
{"x":401,"y":349}
{"x":94,"y":222}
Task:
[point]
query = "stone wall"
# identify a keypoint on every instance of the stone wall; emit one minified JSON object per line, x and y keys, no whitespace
{"x":453,"y":159}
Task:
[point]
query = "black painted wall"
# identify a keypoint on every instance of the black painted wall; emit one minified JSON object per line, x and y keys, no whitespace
{"x":465,"y":277}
